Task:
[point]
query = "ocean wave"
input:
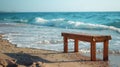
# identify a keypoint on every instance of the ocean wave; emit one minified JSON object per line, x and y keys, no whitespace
{"x":40,"y":20}
{"x":93,"y":26}
{"x":61,"y":22}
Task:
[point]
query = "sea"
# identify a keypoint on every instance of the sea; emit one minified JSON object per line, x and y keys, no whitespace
{"x":42,"y":30}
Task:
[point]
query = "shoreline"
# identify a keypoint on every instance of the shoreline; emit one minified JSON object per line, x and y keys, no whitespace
{"x":45,"y":58}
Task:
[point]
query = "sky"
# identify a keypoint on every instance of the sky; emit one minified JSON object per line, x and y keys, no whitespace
{"x":59,"y":5}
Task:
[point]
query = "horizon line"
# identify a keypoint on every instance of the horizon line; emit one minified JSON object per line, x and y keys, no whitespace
{"x":52,"y":11}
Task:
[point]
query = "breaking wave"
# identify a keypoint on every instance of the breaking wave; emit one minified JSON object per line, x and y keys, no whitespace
{"x":62,"y":23}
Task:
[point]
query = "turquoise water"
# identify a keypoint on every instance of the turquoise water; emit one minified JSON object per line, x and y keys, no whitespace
{"x":42,"y":30}
{"x":63,"y":18}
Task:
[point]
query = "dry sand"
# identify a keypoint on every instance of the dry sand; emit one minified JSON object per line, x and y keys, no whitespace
{"x":28,"y":57}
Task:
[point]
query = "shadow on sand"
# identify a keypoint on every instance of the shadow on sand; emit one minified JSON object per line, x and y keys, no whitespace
{"x":28,"y":59}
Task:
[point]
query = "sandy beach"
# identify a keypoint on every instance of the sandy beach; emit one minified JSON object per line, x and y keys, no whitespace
{"x":28,"y":57}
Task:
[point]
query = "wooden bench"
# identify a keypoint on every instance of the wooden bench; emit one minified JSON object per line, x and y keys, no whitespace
{"x":87,"y":38}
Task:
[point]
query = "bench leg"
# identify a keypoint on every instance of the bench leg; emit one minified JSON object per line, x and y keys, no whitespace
{"x":105,"y":51}
{"x":93,"y":51}
{"x":76,"y":45}
{"x":65,"y":45}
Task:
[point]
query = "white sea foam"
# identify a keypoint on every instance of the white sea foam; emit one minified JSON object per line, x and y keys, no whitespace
{"x":41,"y":20}
{"x":94,"y":26}
{"x":76,"y":24}
{"x":50,"y":38}
{"x":58,"y":19}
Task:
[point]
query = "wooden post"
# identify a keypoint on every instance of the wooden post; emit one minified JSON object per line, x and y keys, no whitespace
{"x":105,"y":50}
{"x":93,"y":51}
{"x":65,"y":45}
{"x":76,"y":45}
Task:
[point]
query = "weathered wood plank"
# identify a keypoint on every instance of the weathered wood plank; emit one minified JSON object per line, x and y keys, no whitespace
{"x":86,"y":37}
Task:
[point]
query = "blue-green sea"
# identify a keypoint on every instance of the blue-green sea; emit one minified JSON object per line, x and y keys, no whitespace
{"x":42,"y":30}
